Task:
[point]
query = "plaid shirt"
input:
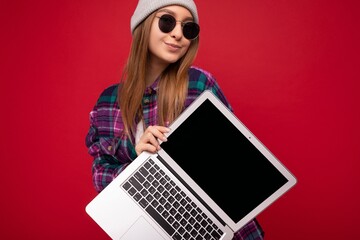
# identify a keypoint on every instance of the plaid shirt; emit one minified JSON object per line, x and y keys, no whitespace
{"x":113,"y":150}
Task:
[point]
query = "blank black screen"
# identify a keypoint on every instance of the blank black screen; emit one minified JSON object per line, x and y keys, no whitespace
{"x":222,"y":161}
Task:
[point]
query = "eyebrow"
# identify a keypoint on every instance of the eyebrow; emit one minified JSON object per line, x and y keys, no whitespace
{"x":174,"y":14}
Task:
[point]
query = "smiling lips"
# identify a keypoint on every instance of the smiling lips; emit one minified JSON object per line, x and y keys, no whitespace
{"x":173,"y":46}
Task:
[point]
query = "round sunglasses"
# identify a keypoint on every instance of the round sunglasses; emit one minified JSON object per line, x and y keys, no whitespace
{"x":190,"y":29}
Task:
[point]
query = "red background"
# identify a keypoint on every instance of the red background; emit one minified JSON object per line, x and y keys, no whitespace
{"x":289,"y":68}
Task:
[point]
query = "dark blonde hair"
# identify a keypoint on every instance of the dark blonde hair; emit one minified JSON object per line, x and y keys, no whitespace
{"x":173,"y":82}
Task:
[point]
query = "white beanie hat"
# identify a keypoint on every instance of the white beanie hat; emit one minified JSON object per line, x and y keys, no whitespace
{"x":145,"y":7}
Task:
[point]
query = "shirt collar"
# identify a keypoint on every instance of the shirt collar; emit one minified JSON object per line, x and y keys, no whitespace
{"x":153,"y":87}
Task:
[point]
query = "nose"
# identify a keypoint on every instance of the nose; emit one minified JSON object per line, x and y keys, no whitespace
{"x":177,"y":31}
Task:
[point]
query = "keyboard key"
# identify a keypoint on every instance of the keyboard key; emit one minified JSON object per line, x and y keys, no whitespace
{"x":193,"y":233}
{"x":173,"y":191}
{"x":132,"y":191}
{"x":202,"y":231}
{"x":144,"y":192}
{"x":152,"y":190}
{"x":162,"y":181}
{"x":165,"y":214}
{"x":176,"y":205}
{"x":209,"y":228}
{"x":160,"y":220}
{"x":178,"y":197}
{"x":177,"y":236}
{"x":186,"y":215}
{"x":214,"y":226}
{"x":168,"y":186}
{"x":146,"y":184}
{"x":147,"y":166}
{"x":176,"y":225}
{"x":143,"y":202}
{"x":160,"y":189}
{"x":199,"y":237}
{"x":188,"y":227}
{"x":197,"y":226}
{"x":157,"y":175}
{"x":183,"y":222}
{"x":152,"y":170}
{"x":173,"y":211}
{"x":171,"y":199}
{"x":178,"y":216}
{"x":171,"y":220}
{"x":150,"y":178}
{"x":155,"y":183}
{"x":183,"y":202}
{"x":162,"y":200}
{"x":137,"y":197}
{"x":186,"y":236}
{"x":157,"y":195}
{"x":156,"y":167}
{"x":139,"y":177}
{"x":203,"y":223}
{"x":181,"y":230}
{"x":166,"y":194}
{"x":154,"y":203}
{"x":126,"y":186}
{"x":167,"y":206}
{"x":160,"y":209}
{"x":193,"y":212}
{"x":188,"y":207}
{"x":192,"y":221}
{"x":199,"y":218}
{"x":149,"y":198}
{"x":215,"y":235}
{"x":207,"y":236}
{"x":135,"y":183}
{"x":181,"y":210}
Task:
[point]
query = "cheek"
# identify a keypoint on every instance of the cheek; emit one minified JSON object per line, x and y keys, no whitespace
{"x":153,"y":44}
{"x":185,"y":49}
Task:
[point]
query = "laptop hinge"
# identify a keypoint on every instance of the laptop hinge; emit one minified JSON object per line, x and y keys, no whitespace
{"x":190,"y":189}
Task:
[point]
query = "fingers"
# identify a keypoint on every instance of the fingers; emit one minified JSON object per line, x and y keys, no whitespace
{"x":149,"y":141}
{"x":158,"y":132}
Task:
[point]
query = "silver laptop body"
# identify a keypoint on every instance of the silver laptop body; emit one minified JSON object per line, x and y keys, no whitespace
{"x":209,"y":179}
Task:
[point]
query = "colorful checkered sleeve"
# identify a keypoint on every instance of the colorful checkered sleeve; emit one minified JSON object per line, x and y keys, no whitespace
{"x":251,"y":231}
{"x":110,"y":149}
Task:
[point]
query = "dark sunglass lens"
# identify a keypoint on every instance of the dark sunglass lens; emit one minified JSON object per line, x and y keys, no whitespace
{"x":167,"y":23}
{"x":191,"y":30}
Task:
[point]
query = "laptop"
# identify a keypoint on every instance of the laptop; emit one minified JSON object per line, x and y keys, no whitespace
{"x":210,"y":178}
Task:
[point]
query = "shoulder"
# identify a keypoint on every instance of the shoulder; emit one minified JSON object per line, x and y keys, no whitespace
{"x":199,"y":74}
{"x":108,"y":95}
{"x":201,"y":80}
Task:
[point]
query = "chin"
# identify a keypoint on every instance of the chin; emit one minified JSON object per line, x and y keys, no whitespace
{"x":172,"y":59}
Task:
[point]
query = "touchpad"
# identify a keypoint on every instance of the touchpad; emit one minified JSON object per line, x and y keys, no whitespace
{"x":141,"y":229}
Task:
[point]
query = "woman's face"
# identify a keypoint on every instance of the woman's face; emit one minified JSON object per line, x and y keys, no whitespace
{"x":167,"y":48}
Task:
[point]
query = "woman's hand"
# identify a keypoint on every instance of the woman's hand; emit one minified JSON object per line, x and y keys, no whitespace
{"x":149,"y":141}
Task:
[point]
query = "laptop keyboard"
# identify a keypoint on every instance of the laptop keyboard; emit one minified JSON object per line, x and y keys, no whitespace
{"x":168,"y":205}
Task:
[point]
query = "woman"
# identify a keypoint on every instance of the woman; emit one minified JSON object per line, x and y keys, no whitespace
{"x":158,"y":83}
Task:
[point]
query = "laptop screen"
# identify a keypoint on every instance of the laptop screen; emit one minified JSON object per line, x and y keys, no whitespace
{"x":223,"y":162}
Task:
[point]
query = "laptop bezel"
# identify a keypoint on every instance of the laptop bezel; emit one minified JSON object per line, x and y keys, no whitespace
{"x":208,"y":95}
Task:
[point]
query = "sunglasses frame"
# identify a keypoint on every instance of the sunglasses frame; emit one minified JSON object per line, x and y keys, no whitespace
{"x":174,"y":21}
